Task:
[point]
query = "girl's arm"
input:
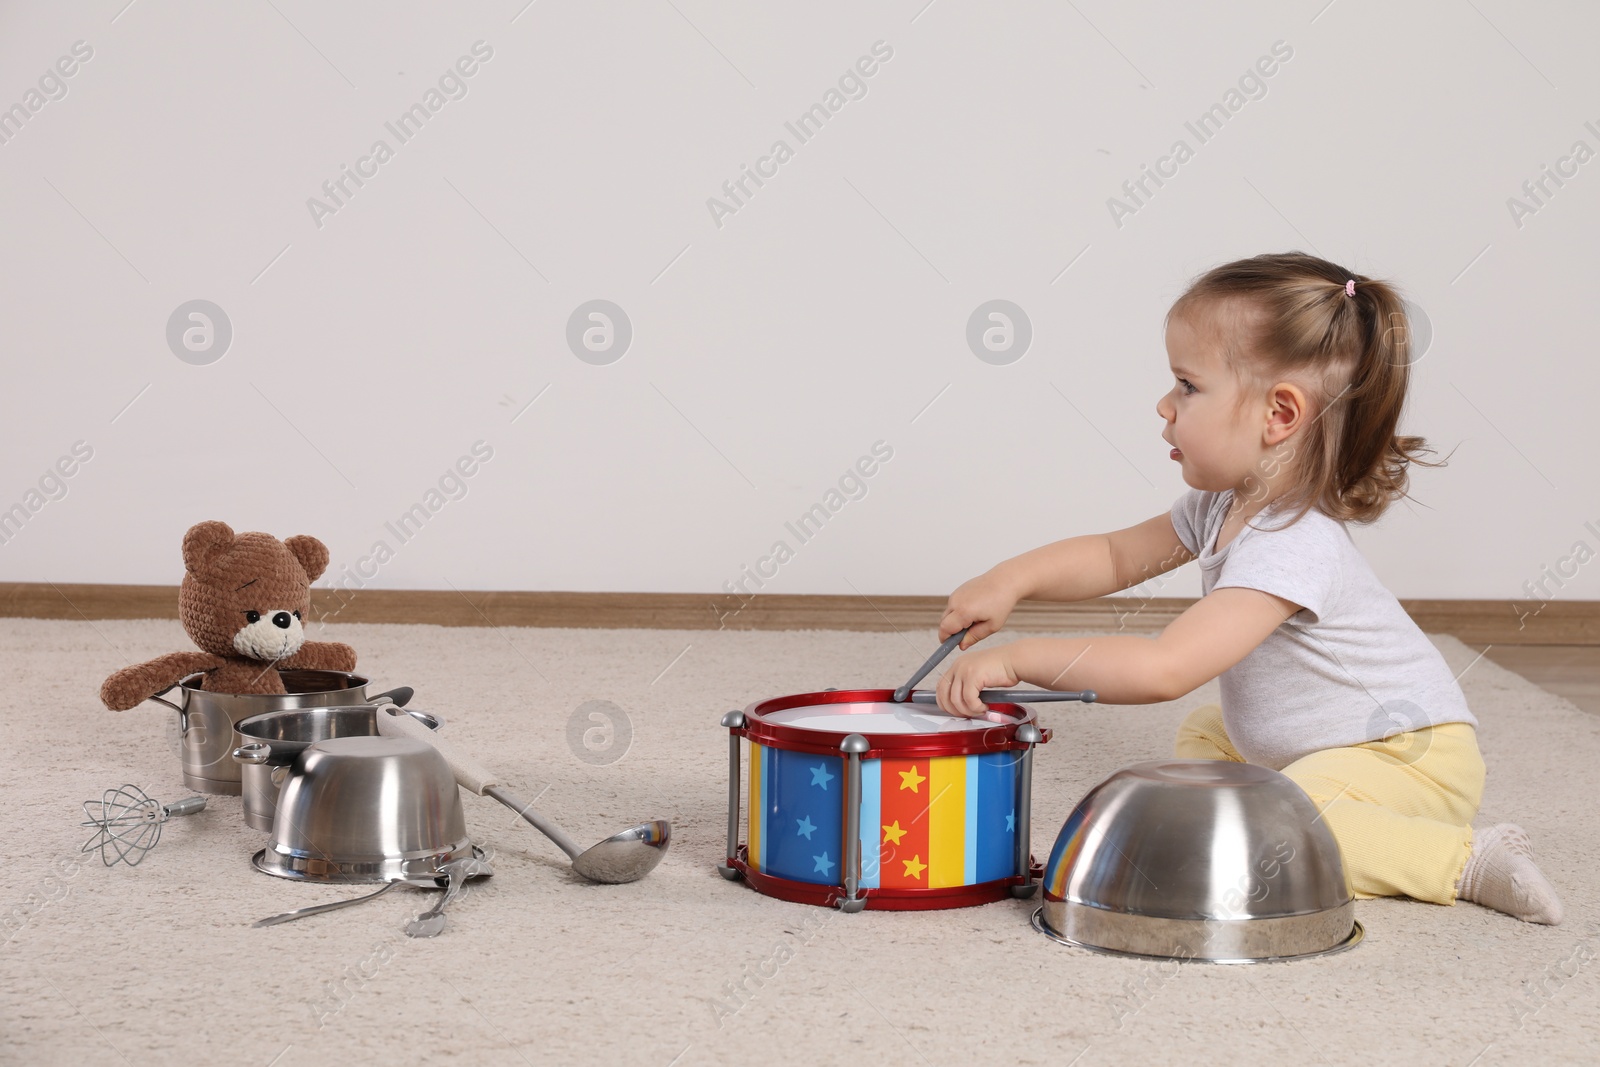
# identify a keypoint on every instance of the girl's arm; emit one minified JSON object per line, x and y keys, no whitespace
{"x":1078,"y":568}
{"x":1108,"y":563}
{"x":1216,"y":632}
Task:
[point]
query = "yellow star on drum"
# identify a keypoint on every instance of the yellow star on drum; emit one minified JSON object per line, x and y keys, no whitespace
{"x":915,"y":867}
{"x":911,"y":779}
{"x":893,"y":834}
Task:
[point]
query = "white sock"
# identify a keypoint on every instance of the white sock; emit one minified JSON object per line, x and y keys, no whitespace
{"x":1500,"y":874}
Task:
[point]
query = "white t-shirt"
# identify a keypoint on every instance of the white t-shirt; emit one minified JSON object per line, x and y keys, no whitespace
{"x":1350,"y":667}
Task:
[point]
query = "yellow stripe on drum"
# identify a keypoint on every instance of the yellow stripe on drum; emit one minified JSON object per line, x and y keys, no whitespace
{"x":947,"y":821}
{"x":754,"y":813}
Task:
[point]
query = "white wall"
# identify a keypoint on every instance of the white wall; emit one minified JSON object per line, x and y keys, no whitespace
{"x":772,"y":351}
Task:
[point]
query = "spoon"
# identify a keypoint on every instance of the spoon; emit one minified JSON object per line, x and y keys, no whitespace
{"x":945,"y":649}
{"x":623,"y":857}
{"x":318,"y":909}
{"x":431,"y":922}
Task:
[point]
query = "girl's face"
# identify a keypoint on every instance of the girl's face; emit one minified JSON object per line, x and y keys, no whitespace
{"x":1214,"y":438}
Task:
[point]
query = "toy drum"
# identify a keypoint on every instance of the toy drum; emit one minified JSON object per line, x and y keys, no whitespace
{"x":854,"y":801}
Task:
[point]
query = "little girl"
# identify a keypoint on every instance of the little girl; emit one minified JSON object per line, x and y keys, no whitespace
{"x":1290,"y":378}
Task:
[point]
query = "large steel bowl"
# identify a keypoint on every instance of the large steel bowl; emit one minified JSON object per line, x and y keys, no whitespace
{"x":1198,"y":859}
{"x":367,"y":809}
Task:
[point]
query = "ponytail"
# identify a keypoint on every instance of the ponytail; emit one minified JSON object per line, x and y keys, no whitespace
{"x":1372,"y":460}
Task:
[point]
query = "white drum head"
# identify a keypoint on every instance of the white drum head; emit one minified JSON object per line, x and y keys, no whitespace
{"x":879,"y":717}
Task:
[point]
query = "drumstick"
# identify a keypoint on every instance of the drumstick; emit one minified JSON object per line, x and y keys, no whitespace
{"x":1015,"y":696}
{"x":933,"y":661}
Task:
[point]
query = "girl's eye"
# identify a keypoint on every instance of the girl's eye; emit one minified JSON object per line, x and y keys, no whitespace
{"x":1188,"y":386}
{"x":252,"y":616}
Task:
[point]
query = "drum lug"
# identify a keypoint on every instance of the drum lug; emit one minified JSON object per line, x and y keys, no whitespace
{"x":733,"y":720}
{"x":1031,"y":735}
{"x":852,"y":747}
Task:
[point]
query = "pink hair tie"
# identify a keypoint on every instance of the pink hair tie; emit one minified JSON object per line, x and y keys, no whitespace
{"x":1350,"y":287}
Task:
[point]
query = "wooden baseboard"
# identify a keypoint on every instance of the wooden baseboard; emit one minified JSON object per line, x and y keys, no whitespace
{"x":1476,"y":622}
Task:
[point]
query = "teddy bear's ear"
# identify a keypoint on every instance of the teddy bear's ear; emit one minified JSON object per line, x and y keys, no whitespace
{"x":312,"y":554}
{"x":204,"y":542}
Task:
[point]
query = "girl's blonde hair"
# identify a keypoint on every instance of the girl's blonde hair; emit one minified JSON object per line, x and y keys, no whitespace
{"x":1294,"y":320}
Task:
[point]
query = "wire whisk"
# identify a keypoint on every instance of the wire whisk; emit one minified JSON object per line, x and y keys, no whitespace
{"x":128,"y":823}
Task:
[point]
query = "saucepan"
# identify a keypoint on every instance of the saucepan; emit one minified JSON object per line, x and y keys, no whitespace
{"x":207,"y":719}
{"x":275,"y":739}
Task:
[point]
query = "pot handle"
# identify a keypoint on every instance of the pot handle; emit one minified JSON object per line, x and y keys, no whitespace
{"x":256,"y":752}
{"x":426,"y":718}
{"x":397,"y":696}
{"x":183,"y":716}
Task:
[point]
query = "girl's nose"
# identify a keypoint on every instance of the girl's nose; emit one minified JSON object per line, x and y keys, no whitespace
{"x":1162,"y":407}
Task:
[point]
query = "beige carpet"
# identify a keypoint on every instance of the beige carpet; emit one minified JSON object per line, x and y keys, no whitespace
{"x":158,"y":964}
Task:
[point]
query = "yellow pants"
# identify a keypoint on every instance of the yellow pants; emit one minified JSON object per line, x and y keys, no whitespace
{"x":1401,"y":809}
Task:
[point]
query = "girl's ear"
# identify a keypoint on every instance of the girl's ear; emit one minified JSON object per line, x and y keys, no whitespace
{"x":1287,"y":411}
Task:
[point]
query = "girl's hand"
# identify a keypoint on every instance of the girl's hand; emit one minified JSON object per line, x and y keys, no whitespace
{"x":984,"y":604}
{"x":958,"y":688}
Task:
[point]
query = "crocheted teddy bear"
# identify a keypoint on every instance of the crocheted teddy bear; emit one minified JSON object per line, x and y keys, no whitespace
{"x":243,"y":601}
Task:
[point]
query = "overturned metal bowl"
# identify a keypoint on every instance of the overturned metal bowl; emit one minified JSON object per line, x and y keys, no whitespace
{"x":273,"y":740}
{"x":367,"y":809}
{"x":1198,"y":860}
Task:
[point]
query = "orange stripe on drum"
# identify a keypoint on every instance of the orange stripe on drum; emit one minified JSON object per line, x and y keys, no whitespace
{"x":903,"y":830}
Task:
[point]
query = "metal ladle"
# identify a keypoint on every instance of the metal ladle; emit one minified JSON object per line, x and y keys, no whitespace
{"x":623,"y":857}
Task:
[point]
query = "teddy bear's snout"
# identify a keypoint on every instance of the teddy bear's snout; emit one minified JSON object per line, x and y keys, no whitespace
{"x":271,"y":635}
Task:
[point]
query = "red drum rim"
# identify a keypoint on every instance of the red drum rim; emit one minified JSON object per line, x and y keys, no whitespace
{"x":1001,"y":736}
{"x":828,"y":896}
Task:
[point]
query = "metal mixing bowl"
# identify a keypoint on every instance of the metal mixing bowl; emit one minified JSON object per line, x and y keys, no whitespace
{"x":367,"y":809}
{"x":1198,"y":859}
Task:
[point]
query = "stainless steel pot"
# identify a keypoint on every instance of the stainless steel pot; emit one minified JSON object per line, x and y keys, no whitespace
{"x":367,"y":809}
{"x":206,"y":720}
{"x":273,"y":740}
